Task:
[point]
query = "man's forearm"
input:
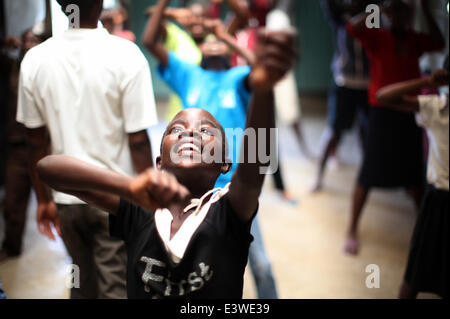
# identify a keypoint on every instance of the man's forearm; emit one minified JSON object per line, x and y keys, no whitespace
{"x":38,"y":148}
{"x":140,"y":150}
{"x":141,"y":156}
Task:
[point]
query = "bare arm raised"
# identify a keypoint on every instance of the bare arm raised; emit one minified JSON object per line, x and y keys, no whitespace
{"x":103,"y":188}
{"x":275,"y":54}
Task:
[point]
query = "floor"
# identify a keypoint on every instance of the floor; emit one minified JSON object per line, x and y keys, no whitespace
{"x":303,"y":241}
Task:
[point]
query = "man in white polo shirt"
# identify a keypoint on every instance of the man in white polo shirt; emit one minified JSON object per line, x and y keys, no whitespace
{"x":92,"y":93}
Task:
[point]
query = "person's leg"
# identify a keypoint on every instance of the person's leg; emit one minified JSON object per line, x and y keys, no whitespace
{"x":332,"y":141}
{"x":110,"y":259}
{"x":78,"y":239}
{"x":280,"y":186}
{"x":17,"y":193}
{"x":297,"y":128}
{"x":406,"y":291}
{"x":416,"y":194}
{"x":359,"y":199}
{"x":363,"y":117}
{"x":260,"y":265}
{"x":341,"y":114}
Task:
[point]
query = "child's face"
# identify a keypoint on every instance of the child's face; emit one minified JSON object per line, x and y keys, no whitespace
{"x":194,"y":139}
{"x":196,"y":28}
{"x":215,"y":55}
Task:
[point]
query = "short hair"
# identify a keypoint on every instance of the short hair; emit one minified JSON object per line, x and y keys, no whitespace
{"x":84,"y":5}
{"x":400,"y":5}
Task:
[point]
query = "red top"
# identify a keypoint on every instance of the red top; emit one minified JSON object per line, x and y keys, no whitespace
{"x":386,"y":65}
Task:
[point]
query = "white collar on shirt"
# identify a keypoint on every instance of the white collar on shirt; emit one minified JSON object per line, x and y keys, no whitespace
{"x":176,"y":246}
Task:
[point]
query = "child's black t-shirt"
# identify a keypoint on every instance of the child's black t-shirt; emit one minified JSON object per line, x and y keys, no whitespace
{"x":213,"y":264}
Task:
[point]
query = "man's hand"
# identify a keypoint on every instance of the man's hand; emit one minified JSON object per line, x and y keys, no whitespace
{"x":439,"y":78}
{"x":47,"y":215}
{"x":155,"y":189}
{"x":275,"y":56}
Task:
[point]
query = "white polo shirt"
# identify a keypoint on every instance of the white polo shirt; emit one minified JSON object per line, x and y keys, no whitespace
{"x":89,"y":89}
{"x":434,"y":116}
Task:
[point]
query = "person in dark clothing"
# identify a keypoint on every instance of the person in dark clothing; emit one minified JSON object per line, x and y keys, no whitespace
{"x":18,"y":183}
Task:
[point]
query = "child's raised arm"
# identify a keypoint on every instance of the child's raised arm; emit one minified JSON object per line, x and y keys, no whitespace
{"x":275,"y":55}
{"x":398,"y":95}
{"x":103,"y":188}
{"x":152,"y":32}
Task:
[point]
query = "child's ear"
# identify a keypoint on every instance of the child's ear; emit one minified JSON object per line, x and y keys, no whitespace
{"x":158,"y":162}
{"x":226,"y":166}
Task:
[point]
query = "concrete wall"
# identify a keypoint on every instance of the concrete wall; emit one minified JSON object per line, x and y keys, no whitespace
{"x":22,"y":15}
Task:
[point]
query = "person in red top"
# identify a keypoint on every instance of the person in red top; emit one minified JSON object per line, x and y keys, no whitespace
{"x":394,"y":149}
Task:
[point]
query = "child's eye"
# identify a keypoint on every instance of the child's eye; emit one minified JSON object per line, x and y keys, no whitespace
{"x":176,"y":130}
{"x":207,"y":131}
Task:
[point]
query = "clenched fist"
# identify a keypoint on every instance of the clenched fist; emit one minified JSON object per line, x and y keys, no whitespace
{"x":275,"y":56}
{"x":155,"y":189}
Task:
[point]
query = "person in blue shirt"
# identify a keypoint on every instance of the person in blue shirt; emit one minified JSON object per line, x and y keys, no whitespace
{"x":224,"y":92}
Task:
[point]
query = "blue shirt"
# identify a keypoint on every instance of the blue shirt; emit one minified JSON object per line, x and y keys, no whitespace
{"x":221,"y":93}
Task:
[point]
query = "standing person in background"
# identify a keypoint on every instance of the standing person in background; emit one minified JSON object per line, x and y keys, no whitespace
{"x":429,"y":258}
{"x":18,"y":182}
{"x":224,"y":92}
{"x":348,"y":94}
{"x":181,"y":43}
{"x":394,"y":147}
{"x":93,"y":93}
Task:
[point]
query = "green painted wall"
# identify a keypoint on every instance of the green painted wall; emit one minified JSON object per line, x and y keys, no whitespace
{"x":315,"y":45}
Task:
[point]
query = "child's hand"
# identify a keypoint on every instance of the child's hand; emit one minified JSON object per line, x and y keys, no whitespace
{"x":214,"y":26}
{"x":155,"y":189}
{"x":439,"y":78}
{"x":275,"y":56}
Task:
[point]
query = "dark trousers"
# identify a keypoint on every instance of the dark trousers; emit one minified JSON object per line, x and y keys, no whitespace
{"x":101,"y":259}
{"x":17,"y":192}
